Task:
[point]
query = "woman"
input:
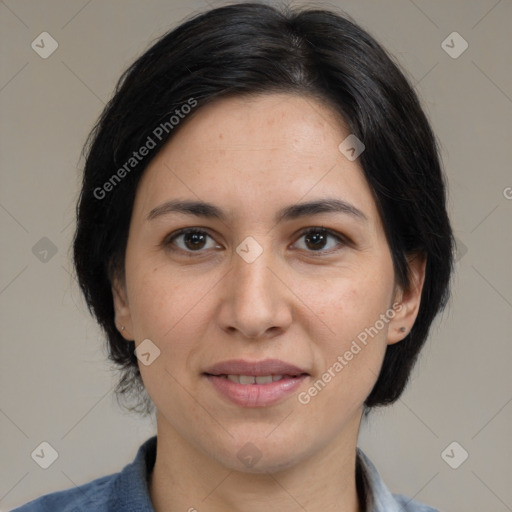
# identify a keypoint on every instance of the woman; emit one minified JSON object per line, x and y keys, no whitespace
{"x":262,"y":234}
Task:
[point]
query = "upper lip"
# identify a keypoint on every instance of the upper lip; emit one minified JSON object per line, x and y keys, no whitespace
{"x":254,"y":368}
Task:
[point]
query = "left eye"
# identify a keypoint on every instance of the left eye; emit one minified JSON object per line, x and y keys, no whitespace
{"x":193,"y":240}
{"x":316,"y":239}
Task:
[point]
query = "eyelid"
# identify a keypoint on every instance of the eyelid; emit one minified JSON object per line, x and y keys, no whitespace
{"x":342,"y":239}
{"x":167,"y":241}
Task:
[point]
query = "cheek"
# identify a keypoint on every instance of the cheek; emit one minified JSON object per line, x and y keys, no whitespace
{"x":348,"y":304}
{"x":149,"y":298}
{"x":167,"y":306}
{"x":349,"y":331}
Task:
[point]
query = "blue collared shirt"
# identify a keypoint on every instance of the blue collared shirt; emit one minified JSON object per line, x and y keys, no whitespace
{"x":128,"y":490}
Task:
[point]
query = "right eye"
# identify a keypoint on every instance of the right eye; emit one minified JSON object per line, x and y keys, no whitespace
{"x":189,"y":240}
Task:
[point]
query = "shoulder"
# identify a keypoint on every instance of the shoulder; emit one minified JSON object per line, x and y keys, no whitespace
{"x":123,"y":491}
{"x":94,"y":495}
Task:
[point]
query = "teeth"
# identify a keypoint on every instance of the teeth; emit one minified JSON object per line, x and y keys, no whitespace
{"x":263,"y":379}
{"x":250,"y":379}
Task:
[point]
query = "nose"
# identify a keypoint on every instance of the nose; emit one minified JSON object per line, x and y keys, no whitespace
{"x":256,"y":302}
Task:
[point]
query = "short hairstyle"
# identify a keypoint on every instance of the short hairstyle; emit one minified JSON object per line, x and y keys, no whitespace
{"x":248,"y":49}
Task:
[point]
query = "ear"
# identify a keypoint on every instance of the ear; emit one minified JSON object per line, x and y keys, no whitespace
{"x":122,"y":309}
{"x":406,"y":303}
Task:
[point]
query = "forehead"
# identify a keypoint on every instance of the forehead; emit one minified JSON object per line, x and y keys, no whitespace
{"x":268,"y":150}
{"x":292,"y":125}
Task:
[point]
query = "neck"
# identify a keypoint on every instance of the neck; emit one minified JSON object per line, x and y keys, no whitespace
{"x":186,"y":479}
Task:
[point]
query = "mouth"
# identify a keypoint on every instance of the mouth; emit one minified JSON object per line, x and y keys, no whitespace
{"x":255,"y":384}
{"x":265,"y":368}
{"x":255,"y":379}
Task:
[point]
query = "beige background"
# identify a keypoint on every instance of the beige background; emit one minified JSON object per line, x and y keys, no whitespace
{"x":55,"y":385}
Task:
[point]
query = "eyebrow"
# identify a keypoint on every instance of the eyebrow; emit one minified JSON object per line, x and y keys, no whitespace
{"x":294,"y":211}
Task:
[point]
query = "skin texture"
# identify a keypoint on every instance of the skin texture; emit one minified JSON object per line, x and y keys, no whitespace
{"x":297,"y":302}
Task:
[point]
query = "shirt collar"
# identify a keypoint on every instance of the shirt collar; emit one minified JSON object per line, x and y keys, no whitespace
{"x":131,"y":489}
{"x":378,"y":496}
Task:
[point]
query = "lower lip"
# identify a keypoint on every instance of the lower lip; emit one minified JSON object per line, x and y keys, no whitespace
{"x":256,"y":395}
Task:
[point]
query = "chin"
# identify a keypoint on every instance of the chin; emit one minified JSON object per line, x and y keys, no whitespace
{"x":256,"y":453}
{"x":266,"y":463}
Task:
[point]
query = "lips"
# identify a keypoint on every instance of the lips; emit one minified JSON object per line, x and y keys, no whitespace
{"x":268,"y":367}
{"x":255,"y":384}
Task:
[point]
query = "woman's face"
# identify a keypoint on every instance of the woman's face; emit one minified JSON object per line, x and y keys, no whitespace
{"x":250,"y":285}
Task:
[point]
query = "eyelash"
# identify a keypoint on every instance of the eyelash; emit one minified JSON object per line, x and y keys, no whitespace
{"x":168,"y":241}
